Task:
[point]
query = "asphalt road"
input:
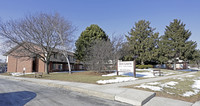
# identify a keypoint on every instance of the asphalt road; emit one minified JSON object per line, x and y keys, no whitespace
{"x":20,"y":93}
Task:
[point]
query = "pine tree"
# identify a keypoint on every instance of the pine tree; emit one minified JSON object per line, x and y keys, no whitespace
{"x":196,"y":58}
{"x":85,"y":41}
{"x":174,"y":43}
{"x":142,"y":42}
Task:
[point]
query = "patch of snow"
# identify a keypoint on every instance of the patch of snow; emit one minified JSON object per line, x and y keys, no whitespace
{"x":194,"y":68}
{"x":138,"y":74}
{"x":169,"y":84}
{"x":196,"y":84}
{"x":154,"y":88}
{"x":169,"y":73}
{"x":19,"y":74}
{"x":153,"y":83}
{"x":196,"y":91}
{"x":188,"y":94}
{"x":145,"y":74}
{"x":117,"y":80}
{"x":170,"y":93}
{"x":181,"y":79}
{"x":190,"y":76}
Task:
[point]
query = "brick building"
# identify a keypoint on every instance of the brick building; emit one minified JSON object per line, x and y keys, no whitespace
{"x":35,"y":64}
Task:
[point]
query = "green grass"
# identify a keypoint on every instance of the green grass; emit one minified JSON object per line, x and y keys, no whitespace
{"x":84,"y":77}
{"x":7,"y":74}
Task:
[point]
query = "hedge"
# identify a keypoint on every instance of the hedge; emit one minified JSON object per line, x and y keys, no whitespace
{"x":144,"y":66}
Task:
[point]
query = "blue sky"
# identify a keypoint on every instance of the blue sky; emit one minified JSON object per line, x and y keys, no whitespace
{"x":113,"y":16}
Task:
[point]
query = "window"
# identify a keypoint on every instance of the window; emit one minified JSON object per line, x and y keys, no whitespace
{"x":55,"y":56}
{"x":54,"y":66}
{"x":60,"y":66}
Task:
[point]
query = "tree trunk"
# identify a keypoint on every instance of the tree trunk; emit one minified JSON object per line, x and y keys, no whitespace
{"x":142,"y":62}
{"x":69,"y":66}
{"x":175,"y":64}
{"x":47,"y":67}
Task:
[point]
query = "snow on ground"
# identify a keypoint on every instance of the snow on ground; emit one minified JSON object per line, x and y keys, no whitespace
{"x":196,"y":84}
{"x":117,"y":80}
{"x":138,"y":74}
{"x":153,"y":83}
{"x":19,"y":74}
{"x":169,"y":73}
{"x":181,"y":79}
{"x":169,"y":84}
{"x":188,"y":94}
{"x":145,"y":74}
{"x":170,"y":93}
{"x":190,"y":76}
{"x":154,"y":88}
{"x":194,"y":68}
{"x":157,"y":86}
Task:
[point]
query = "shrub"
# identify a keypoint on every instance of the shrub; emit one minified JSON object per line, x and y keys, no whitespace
{"x":144,"y":66}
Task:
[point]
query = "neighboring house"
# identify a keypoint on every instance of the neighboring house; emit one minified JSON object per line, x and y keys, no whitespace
{"x":34,"y":64}
{"x":180,"y":64}
{"x":3,"y":67}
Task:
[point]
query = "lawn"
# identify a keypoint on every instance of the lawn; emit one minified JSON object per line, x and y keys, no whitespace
{"x":84,"y":77}
{"x":185,"y":88}
{"x":6,"y":74}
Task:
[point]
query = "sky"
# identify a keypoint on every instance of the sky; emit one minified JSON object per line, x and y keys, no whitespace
{"x":115,"y":17}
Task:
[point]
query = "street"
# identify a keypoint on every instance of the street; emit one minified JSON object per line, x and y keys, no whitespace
{"x":20,"y":93}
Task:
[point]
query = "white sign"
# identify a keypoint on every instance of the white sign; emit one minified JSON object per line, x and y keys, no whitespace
{"x":125,"y":66}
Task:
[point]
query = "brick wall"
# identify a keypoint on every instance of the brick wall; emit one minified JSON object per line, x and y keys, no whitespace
{"x":18,"y":64}
{"x":41,"y":66}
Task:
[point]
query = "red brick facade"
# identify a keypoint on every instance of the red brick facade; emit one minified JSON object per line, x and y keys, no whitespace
{"x":19,"y":64}
{"x":16,"y":64}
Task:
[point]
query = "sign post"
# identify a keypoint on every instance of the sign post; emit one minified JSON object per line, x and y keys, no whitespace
{"x":117,"y":68}
{"x":134,"y":68}
{"x":126,"y":66}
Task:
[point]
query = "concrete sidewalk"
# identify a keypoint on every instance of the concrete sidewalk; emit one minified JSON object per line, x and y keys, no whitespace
{"x":111,"y":91}
{"x":149,"y":80}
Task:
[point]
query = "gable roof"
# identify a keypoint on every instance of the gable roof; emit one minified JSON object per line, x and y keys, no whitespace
{"x":19,"y":45}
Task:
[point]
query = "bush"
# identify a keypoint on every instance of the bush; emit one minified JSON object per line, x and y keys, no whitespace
{"x":144,"y":66}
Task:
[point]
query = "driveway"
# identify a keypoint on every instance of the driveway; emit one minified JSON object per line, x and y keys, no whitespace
{"x":20,"y":93}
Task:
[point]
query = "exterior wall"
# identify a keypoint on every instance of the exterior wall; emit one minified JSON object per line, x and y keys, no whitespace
{"x":41,"y":66}
{"x":36,"y":65}
{"x":11,"y":64}
{"x":25,"y":63}
{"x":18,"y":64}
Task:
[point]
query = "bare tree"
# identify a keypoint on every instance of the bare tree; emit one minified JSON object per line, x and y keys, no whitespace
{"x":38,"y":35}
{"x":99,"y":55}
{"x":103,"y":55}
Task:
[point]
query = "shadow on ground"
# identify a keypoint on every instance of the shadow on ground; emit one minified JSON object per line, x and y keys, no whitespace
{"x":16,"y":98}
{"x":131,"y":74}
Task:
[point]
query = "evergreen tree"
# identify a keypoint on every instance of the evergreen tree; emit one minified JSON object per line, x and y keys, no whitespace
{"x":196,"y":58}
{"x":174,"y":43}
{"x":85,"y":41}
{"x":142,"y":42}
